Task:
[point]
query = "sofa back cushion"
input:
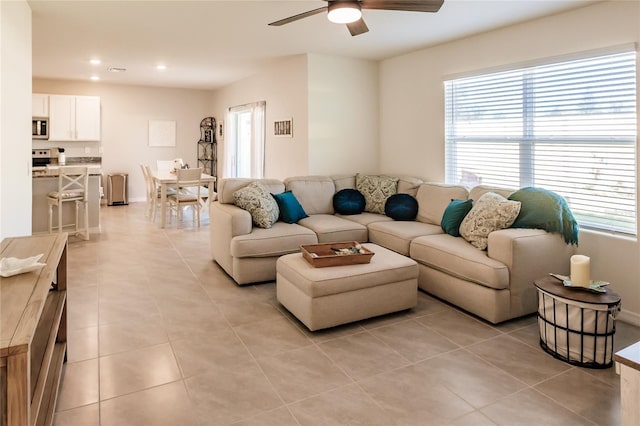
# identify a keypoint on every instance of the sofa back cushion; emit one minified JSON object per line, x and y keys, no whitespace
{"x":227,"y":186}
{"x":433,"y":199}
{"x":406,"y":184}
{"x":478,"y":191}
{"x":315,"y":193}
{"x":344,"y":181}
{"x":409,"y":185}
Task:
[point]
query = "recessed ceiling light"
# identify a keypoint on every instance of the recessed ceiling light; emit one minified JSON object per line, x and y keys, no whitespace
{"x":161,"y":67}
{"x":116,"y":69}
{"x":95,"y":62}
{"x":95,"y":78}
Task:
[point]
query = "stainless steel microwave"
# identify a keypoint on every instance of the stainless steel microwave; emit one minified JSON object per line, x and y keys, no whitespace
{"x":40,"y":128}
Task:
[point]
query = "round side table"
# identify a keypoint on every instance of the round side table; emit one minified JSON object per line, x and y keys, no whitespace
{"x":576,"y":325}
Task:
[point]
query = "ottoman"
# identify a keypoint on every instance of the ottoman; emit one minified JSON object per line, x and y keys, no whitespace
{"x":326,"y":297}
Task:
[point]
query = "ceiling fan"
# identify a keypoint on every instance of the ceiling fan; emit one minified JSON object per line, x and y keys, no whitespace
{"x":350,"y":11}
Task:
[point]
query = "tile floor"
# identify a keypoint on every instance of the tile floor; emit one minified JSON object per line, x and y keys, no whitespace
{"x":159,"y":335}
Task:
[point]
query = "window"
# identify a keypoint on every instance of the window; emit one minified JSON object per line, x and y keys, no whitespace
{"x":246,"y":135}
{"x":569,"y":127}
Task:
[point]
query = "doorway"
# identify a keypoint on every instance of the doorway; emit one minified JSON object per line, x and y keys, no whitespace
{"x":246,"y":136}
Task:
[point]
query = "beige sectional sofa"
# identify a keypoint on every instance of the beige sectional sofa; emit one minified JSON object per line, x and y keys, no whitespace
{"x":496,"y":284}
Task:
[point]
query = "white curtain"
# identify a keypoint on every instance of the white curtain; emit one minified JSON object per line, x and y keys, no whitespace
{"x":246,"y":140}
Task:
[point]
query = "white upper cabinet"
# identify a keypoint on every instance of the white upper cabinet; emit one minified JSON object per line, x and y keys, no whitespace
{"x":39,"y":105}
{"x":88,"y":118}
{"x":74,"y":118}
{"x":62,"y":118}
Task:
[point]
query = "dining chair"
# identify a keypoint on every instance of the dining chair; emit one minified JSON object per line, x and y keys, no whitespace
{"x":73,"y":187}
{"x":189,"y":193}
{"x":152,"y":190}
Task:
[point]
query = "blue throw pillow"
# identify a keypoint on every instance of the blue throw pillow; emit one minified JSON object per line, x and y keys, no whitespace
{"x":453,"y":216}
{"x":348,"y":201}
{"x":401,"y":207}
{"x":290,"y":209}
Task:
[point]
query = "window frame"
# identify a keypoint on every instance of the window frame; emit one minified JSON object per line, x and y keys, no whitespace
{"x":526,"y":140}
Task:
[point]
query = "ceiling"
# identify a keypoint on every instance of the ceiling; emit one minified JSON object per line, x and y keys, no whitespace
{"x":208,"y":44}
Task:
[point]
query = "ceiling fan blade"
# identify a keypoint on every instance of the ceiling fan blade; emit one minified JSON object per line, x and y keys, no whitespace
{"x":407,"y":5}
{"x":298,"y":16}
{"x":358,"y":27}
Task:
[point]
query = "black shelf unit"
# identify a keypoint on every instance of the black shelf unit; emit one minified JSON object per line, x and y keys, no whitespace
{"x":208,"y":148}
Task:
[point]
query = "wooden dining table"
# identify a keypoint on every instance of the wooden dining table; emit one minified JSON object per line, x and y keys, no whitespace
{"x":166,"y":179}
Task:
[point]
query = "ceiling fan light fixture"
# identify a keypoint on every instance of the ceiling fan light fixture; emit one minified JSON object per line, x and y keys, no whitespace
{"x":344,"y":12}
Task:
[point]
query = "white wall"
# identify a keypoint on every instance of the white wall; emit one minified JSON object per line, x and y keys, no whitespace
{"x":125,"y":114}
{"x":284,"y":88}
{"x":333,"y":102}
{"x":343,"y":115}
{"x":15,"y":125}
{"x":412,"y":108}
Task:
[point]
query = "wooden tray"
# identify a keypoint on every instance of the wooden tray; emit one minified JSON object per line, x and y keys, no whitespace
{"x":323,"y":256}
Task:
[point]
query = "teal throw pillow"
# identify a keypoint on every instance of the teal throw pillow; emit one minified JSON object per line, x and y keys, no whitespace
{"x":401,"y":207}
{"x":453,"y":216}
{"x":290,"y":209}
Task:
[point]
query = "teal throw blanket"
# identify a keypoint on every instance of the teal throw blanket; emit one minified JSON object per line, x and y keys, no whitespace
{"x":544,"y":209}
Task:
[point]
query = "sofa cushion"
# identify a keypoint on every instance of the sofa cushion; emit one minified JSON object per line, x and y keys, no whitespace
{"x":281,"y":238}
{"x":366,"y":219}
{"x":401,"y":207}
{"x":376,"y":190}
{"x":315,"y":193}
{"x":406,"y":184}
{"x":290,"y":209}
{"x":478,"y":191}
{"x":344,"y":181}
{"x":457,"y":257}
{"x":409,"y":185}
{"x":490,"y":213}
{"x":255,"y":199}
{"x":433,"y":199}
{"x":397,"y":236}
{"x":453,"y":216}
{"x":348,"y":201}
{"x":227,"y":186}
{"x":330,"y":228}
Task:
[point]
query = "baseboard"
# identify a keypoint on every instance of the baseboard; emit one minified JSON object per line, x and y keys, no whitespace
{"x":629,"y":317}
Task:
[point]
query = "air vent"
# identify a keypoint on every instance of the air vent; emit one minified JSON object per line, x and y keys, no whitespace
{"x":116,"y":69}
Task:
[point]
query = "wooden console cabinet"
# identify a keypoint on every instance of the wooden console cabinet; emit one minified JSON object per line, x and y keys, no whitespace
{"x":32,"y":331}
{"x":628,"y":367}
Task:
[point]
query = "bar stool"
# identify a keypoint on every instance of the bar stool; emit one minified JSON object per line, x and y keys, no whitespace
{"x":73,"y":185}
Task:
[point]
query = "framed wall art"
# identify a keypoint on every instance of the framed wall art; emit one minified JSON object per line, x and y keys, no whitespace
{"x":162,"y":133}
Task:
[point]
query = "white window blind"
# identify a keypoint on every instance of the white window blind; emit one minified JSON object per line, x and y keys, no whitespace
{"x":568,"y":127}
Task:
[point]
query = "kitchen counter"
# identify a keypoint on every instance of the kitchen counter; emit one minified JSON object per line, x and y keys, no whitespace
{"x":95,"y":169}
{"x":45,"y":180}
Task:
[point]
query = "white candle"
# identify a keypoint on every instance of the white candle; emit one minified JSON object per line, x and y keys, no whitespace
{"x":580,"y":270}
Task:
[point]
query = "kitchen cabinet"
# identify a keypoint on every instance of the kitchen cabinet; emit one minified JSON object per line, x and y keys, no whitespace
{"x":74,"y":118}
{"x":39,"y":105}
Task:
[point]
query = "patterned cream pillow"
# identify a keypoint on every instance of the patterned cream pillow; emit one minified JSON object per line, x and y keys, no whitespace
{"x":255,"y":199}
{"x":490,"y":213}
{"x":376,"y":190}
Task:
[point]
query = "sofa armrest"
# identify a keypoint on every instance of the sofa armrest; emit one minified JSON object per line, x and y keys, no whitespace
{"x":225,"y":222}
{"x":529,"y":254}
